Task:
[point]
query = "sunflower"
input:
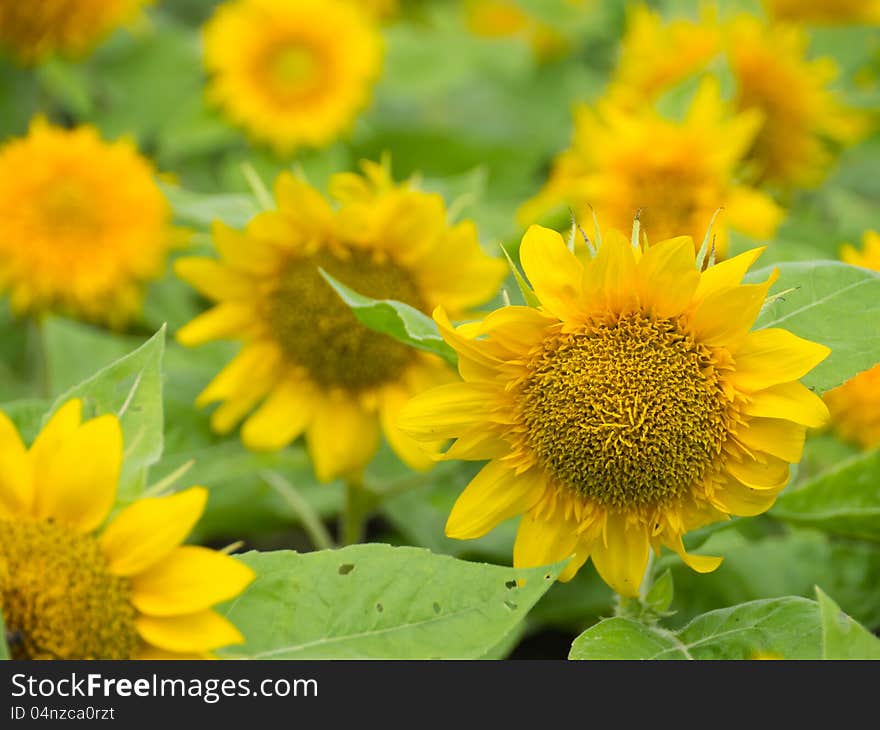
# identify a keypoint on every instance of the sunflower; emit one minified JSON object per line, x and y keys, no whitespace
{"x":632,"y":406}
{"x":826,"y":12}
{"x":855,"y":405}
{"x":315,"y":368}
{"x":35,"y":29}
{"x":83,"y":225}
{"x":292,"y":73}
{"x":802,"y":119}
{"x":677,"y":173}
{"x":75,"y":585}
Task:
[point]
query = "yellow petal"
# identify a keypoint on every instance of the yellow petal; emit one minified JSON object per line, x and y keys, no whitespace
{"x":553,"y":271}
{"x":78,"y":486}
{"x":753,"y":212}
{"x":228,"y":320}
{"x":282,"y":417}
{"x":477,"y":444}
{"x":410,"y":451}
{"x":16,"y":473}
{"x":61,"y":426}
{"x":698,"y":563}
{"x":770,"y":473}
{"x":447,"y":411}
{"x":495,"y":494}
{"x":342,"y":438}
{"x":738,"y":499}
{"x":148,"y":530}
{"x":189,"y":579}
{"x":212,"y":279}
{"x":725,"y":317}
{"x":517,"y":329}
{"x":243,"y":252}
{"x":610,"y":278}
{"x":257,"y":360}
{"x":726,"y":274}
{"x":668,"y":276}
{"x":545,"y":540}
{"x":780,"y":438}
{"x":475,"y":361}
{"x":769,"y":357}
{"x":202,"y":631}
{"x":623,"y":556}
{"x":151,"y":653}
{"x":792,"y":401}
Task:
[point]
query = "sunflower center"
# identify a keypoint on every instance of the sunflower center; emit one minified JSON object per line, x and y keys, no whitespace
{"x":628,"y":412}
{"x":59,"y":600}
{"x":65,"y":208}
{"x":318,"y":331}
{"x":293,"y":69}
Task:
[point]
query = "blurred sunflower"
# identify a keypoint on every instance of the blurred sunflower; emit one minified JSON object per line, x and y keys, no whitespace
{"x":292,"y":73}
{"x":132,"y":591}
{"x":826,"y":12}
{"x":315,"y":368}
{"x":33,"y":30}
{"x":677,"y":173}
{"x":631,"y":407}
{"x":83,"y":224}
{"x":855,"y":405}
{"x":803,"y":121}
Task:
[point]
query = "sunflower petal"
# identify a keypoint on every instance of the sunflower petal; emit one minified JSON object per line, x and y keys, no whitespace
{"x":737,"y":499}
{"x":545,"y":540}
{"x":774,"y":436}
{"x":189,"y":579}
{"x":495,"y":494}
{"x":622,"y":557}
{"x":148,"y":530}
{"x":769,"y":357}
{"x":725,"y":317}
{"x":282,"y":417}
{"x":771,"y":473}
{"x":212,"y":279}
{"x":228,"y":320}
{"x":342,"y":438}
{"x":553,"y":271}
{"x":448,"y":410}
{"x":668,"y":277}
{"x":792,"y":401}
{"x":727,"y":274}
{"x":194,"y":632}
{"x":16,"y":473}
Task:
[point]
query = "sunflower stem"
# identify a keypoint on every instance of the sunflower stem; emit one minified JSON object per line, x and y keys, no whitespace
{"x":353,"y":517}
{"x":311,"y":522}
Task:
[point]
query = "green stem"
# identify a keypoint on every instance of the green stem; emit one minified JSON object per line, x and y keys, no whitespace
{"x":647,"y":578}
{"x":354,"y":514}
{"x":311,"y":522}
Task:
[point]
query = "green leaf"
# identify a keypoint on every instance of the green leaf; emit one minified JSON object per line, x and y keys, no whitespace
{"x":833,"y":304}
{"x":4,"y":648}
{"x":131,"y":388}
{"x":529,"y":296}
{"x":404,"y":323}
{"x":786,"y":628}
{"x":27,"y":415}
{"x":660,"y":596}
{"x":844,"y":500}
{"x":842,"y":637}
{"x":379,"y":602}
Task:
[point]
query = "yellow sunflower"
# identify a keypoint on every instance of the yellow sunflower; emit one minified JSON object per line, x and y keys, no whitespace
{"x":292,"y":73}
{"x":802,"y":119}
{"x":75,"y":585}
{"x":632,"y":406}
{"x":826,"y":12}
{"x":855,"y":405}
{"x":313,"y":366}
{"x":677,"y":173}
{"x":35,"y":29}
{"x":83,"y":225}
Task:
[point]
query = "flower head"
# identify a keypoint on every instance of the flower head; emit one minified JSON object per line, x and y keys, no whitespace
{"x":33,"y":31}
{"x":826,"y":12}
{"x":77,"y":585}
{"x":632,"y":406}
{"x":292,"y":73}
{"x":855,"y":405}
{"x":83,"y":225}
{"x":307,"y":364}
{"x":677,"y":173}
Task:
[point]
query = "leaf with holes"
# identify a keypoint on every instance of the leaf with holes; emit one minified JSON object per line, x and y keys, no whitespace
{"x":404,"y":323}
{"x":379,"y":602}
{"x":844,"y":500}
{"x":834,"y":304}
{"x":131,"y":387}
{"x":784,"y":627}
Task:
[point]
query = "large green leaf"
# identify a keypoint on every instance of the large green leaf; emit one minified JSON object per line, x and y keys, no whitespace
{"x":843,"y":638}
{"x":834,"y":304}
{"x":131,"y":388}
{"x":379,"y":602}
{"x":395,"y":319}
{"x":783,"y":627}
{"x":844,"y":500}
